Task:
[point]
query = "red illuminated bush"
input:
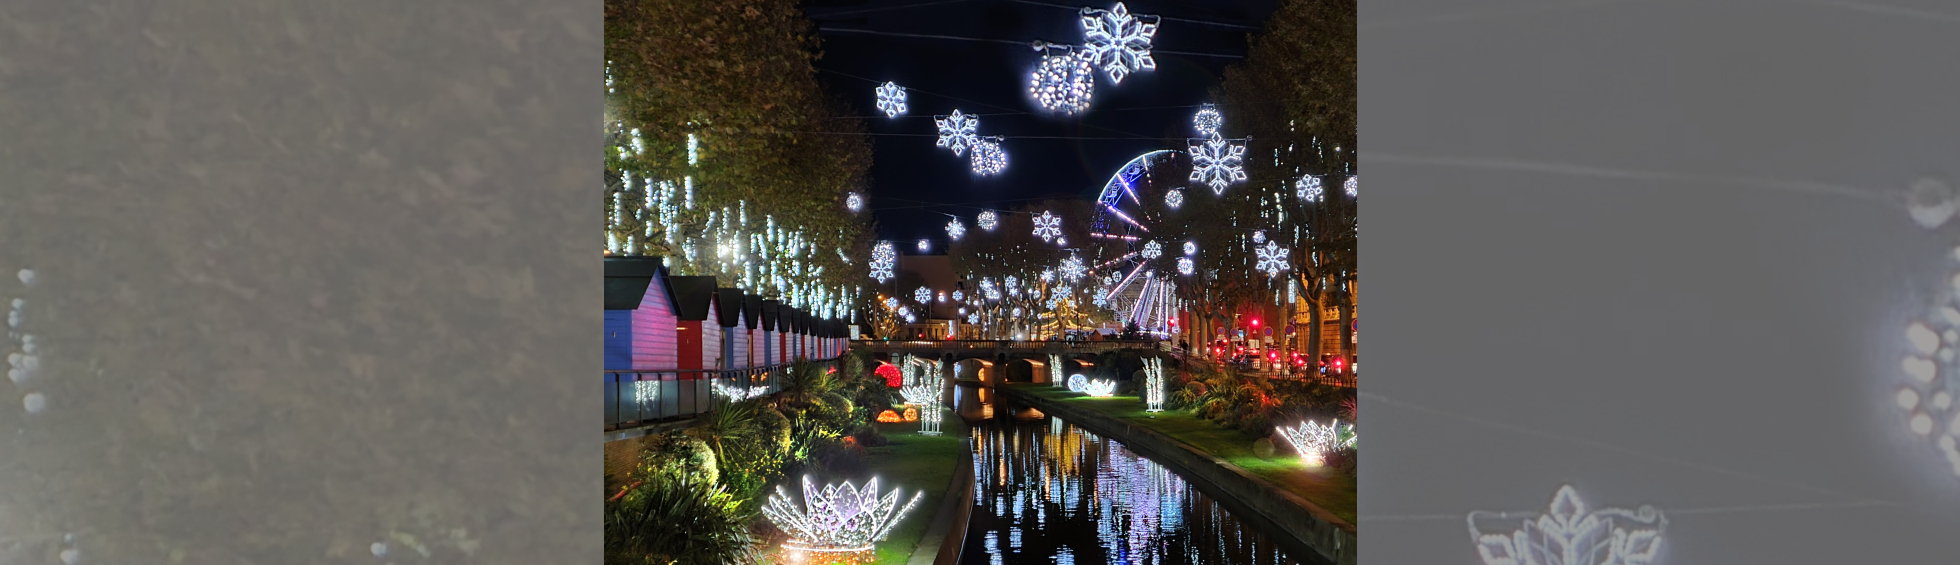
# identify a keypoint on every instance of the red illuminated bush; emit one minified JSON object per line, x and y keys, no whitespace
{"x":893,"y":378}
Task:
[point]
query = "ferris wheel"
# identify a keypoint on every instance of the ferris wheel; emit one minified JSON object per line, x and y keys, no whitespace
{"x":1133,"y":268}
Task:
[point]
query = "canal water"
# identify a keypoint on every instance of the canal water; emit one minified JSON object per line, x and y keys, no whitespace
{"x":1046,"y":491}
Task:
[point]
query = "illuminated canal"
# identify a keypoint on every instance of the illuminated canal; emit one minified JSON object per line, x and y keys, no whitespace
{"x":1050,"y":492}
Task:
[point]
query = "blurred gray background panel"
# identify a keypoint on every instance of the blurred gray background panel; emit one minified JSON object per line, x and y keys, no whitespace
{"x":314,"y":282}
{"x":1659,"y":251}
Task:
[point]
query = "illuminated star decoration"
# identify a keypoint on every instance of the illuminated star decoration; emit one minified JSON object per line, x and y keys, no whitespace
{"x":1190,"y":248}
{"x":1208,"y":120}
{"x":1218,"y":163}
{"x":1184,"y":266}
{"x":1314,"y":441}
{"x":1118,"y":41}
{"x":891,"y":99}
{"x":1152,"y":250}
{"x":957,"y":131}
{"x":1308,"y":189}
{"x":922,"y":295}
{"x":987,"y":220}
{"x":1047,"y":226}
{"x":955,"y":229}
{"x":836,"y":520}
{"x":1073,"y":268}
{"x":854,"y":202}
{"x":1272,"y":259}
{"x":1570,"y":535}
{"x":988,"y":158}
{"x":883,"y":257}
{"x":1174,"y":199}
{"x":1063,"y":82}
{"x":1351,"y":184}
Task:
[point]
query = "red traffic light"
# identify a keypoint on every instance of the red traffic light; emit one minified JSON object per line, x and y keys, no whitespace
{"x":1255,"y":322}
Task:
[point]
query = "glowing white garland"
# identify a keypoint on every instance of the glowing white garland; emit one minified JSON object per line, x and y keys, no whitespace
{"x":1218,"y":163}
{"x":1100,"y":388}
{"x":883,"y":258}
{"x":987,"y":220}
{"x":955,"y":229}
{"x":1174,"y":199}
{"x":738,"y":394}
{"x":1154,"y":383}
{"x":1208,"y":120}
{"x":1314,"y":441}
{"x":1569,"y":534}
{"x":1047,"y":226}
{"x":1307,"y":189}
{"x":1063,"y":82}
{"x":837,"y":519}
{"x":988,"y":158}
{"x":891,"y":99}
{"x":957,"y":131}
{"x":1118,"y":41}
{"x":1272,"y":259}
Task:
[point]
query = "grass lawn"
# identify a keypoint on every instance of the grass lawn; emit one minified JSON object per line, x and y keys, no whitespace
{"x":911,"y":463}
{"x":1324,"y":487}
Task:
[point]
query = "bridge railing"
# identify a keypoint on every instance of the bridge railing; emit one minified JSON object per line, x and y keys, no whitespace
{"x":637,"y":397}
{"x":960,"y":344}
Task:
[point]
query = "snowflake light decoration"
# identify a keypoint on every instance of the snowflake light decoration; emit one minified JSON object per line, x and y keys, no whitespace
{"x":1308,"y":189}
{"x":1190,"y":248}
{"x":1208,"y":120}
{"x":1119,"y":42}
{"x":987,"y":287}
{"x":738,"y":394}
{"x":1013,"y":285}
{"x":891,"y":303}
{"x":1568,"y":534}
{"x":1351,"y":184}
{"x":1047,"y":226}
{"x":883,"y":258}
{"x":1063,"y":82}
{"x":1314,"y":441}
{"x":1100,"y":388}
{"x":987,"y":220}
{"x":891,"y":99}
{"x":1152,"y":250}
{"x":958,"y":296}
{"x":1073,"y":268}
{"x":1185,"y":266}
{"x":1047,"y":275}
{"x":854,"y":202}
{"x":973,"y":319}
{"x":836,"y":523}
{"x":955,"y":229}
{"x":988,"y":158}
{"x":1272,"y":259}
{"x":1218,"y":163}
{"x":1174,"y":199}
{"x":922,"y":295}
{"x":1258,"y":237}
{"x":957,"y":131}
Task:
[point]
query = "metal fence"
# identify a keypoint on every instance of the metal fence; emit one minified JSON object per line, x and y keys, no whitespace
{"x":640,"y":397}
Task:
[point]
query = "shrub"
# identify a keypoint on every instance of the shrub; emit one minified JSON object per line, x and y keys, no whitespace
{"x":674,"y":518}
{"x":871,"y":436}
{"x":679,"y":453}
{"x":1344,"y":460}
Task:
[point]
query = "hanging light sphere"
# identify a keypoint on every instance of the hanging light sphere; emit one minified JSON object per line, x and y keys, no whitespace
{"x":988,"y":158}
{"x":924,"y":246}
{"x":1208,"y":119}
{"x":1184,"y":266}
{"x":987,"y":220}
{"x":1190,"y":248}
{"x":854,"y":202}
{"x":1063,"y":82}
{"x":1174,"y":199}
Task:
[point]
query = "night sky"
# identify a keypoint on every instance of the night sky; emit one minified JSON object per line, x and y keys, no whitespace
{"x":1139,"y":115}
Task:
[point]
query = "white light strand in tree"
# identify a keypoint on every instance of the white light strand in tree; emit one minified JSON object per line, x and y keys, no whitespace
{"x":1063,"y":82}
{"x":988,"y":158}
{"x":883,"y":258}
{"x":1154,"y":383}
{"x":891,"y":99}
{"x":1119,"y":42}
{"x":1353,"y":182}
{"x":955,"y":229}
{"x":836,"y":519}
{"x":1314,"y":441}
{"x":1073,"y":268}
{"x":1218,"y":163}
{"x":1152,"y":250}
{"x":1308,"y":189}
{"x":1174,"y":199}
{"x":957,"y":131}
{"x":854,"y":202}
{"x":1208,"y":120}
{"x":987,"y":220}
{"x":1047,"y":226}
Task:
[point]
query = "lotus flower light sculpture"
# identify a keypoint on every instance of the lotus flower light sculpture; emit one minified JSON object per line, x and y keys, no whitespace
{"x":926,"y":397}
{"x":1314,"y":440}
{"x":1100,"y":388}
{"x":837,"y":524}
{"x":1569,"y":534}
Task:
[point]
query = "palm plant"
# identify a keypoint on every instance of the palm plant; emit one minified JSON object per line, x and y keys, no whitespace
{"x":675,"y":519}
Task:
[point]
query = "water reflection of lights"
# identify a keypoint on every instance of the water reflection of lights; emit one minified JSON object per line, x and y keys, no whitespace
{"x":1058,"y":494}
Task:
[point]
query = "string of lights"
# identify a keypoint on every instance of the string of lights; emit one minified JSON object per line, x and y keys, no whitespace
{"x":1165,"y":18}
{"x":1006,"y":41}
